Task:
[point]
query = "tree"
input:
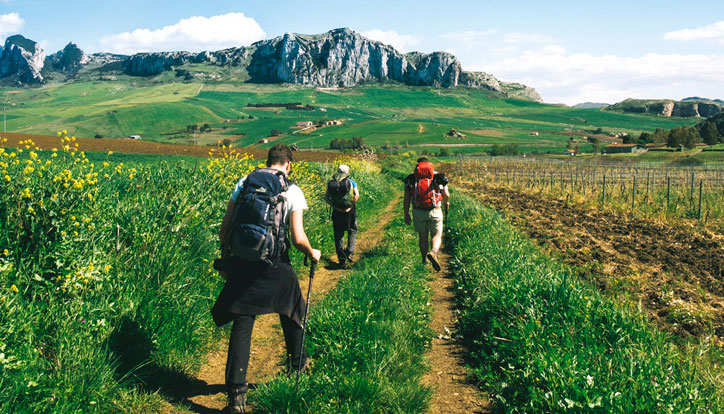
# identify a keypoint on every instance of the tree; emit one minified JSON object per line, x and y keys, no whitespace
{"x":626,"y":139}
{"x":275,"y":132}
{"x":645,"y":138}
{"x":660,"y":136}
{"x":596,"y":146}
{"x":683,"y":135}
{"x":709,"y":133}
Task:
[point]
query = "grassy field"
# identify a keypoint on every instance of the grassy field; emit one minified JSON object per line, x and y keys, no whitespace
{"x":543,"y":341}
{"x":394,"y":116}
{"x":94,"y":250}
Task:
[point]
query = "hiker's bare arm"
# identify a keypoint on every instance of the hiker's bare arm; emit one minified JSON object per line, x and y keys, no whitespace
{"x":226,"y":222}
{"x":356,"y":194}
{"x":446,"y":196}
{"x":299,"y":237}
{"x":406,"y":206}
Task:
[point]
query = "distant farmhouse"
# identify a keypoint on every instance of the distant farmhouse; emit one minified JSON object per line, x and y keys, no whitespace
{"x":305,"y":124}
{"x":334,"y":122}
{"x":624,"y":149}
{"x":134,"y":137}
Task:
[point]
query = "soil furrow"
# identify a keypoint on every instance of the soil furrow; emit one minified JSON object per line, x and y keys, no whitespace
{"x":674,"y":269}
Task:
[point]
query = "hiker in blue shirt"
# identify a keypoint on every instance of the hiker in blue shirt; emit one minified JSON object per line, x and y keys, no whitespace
{"x":342,"y":194}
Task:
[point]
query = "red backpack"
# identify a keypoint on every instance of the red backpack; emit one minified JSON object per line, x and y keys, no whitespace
{"x":425,"y":194}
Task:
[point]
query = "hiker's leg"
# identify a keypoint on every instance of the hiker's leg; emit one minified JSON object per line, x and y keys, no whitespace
{"x":237,"y":361}
{"x":352,"y":233}
{"x":436,"y":242}
{"x":293,"y":340}
{"x":351,"y":242}
{"x":424,"y":244}
{"x":339,"y":229}
{"x":436,"y":229}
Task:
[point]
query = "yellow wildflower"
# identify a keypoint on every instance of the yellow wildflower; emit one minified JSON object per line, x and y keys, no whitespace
{"x":14,"y":289}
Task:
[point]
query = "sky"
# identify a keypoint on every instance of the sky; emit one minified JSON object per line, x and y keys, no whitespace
{"x":570,"y":51}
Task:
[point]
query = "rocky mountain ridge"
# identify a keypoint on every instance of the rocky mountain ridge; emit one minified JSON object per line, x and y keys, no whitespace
{"x":22,"y":59}
{"x":667,"y":107}
{"x":338,"y":58}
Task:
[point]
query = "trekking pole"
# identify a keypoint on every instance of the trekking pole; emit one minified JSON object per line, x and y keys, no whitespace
{"x":312,"y":267}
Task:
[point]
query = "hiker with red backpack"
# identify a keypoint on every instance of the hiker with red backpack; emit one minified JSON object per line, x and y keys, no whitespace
{"x":426,"y":190}
{"x":342,"y":194}
{"x":264,"y":206}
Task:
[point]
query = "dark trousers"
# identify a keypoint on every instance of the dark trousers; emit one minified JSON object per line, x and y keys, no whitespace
{"x":237,"y":362}
{"x":344,"y":223}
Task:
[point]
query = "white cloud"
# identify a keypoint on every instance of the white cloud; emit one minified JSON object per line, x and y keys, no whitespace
{"x":560,"y":76}
{"x":193,"y":34}
{"x":10,"y":24}
{"x":399,"y":41}
{"x":714,"y":32}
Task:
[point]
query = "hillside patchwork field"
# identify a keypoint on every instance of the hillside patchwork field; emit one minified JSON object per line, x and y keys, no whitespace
{"x":392,"y":116}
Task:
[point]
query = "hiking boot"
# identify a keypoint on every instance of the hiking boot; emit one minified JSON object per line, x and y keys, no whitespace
{"x":292,"y":366}
{"x":306,"y":366}
{"x":237,"y":403}
{"x":432,"y":257}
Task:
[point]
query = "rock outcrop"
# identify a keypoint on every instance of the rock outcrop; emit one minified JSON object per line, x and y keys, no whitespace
{"x":150,"y":64}
{"x":343,"y":58}
{"x":22,"y":58}
{"x":686,"y":108}
{"x":480,"y":80}
{"x":338,"y":58}
{"x":519,"y":91}
{"x":70,"y":60}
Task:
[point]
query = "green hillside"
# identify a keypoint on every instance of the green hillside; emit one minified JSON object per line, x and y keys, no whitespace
{"x":391,"y":116}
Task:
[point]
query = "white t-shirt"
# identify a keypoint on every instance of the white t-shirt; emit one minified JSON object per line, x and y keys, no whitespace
{"x":295,"y":199}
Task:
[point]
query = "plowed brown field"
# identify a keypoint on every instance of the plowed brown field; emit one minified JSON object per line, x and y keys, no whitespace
{"x":130,"y":146}
{"x":674,"y":269}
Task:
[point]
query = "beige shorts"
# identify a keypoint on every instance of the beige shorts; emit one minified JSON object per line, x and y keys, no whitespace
{"x":427,"y":220}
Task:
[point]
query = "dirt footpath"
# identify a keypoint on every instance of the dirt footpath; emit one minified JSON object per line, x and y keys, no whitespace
{"x":676,"y":270}
{"x":452,"y":392}
{"x":267,"y":342}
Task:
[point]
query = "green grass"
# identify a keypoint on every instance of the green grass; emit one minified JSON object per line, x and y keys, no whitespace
{"x":381,"y":114}
{"x":106,"y":287}
{"x":367,"y":337}
{"x":541,"y":341}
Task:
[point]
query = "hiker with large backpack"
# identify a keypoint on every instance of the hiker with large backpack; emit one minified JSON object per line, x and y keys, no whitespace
{"x":265,"y":209}
{"x":426,"y":190}
{"x":342,"y":194}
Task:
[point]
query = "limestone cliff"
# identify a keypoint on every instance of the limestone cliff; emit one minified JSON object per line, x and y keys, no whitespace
{"x":22,"y":59}
{"x":338,"y":58}
{"x":685,"y":108}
